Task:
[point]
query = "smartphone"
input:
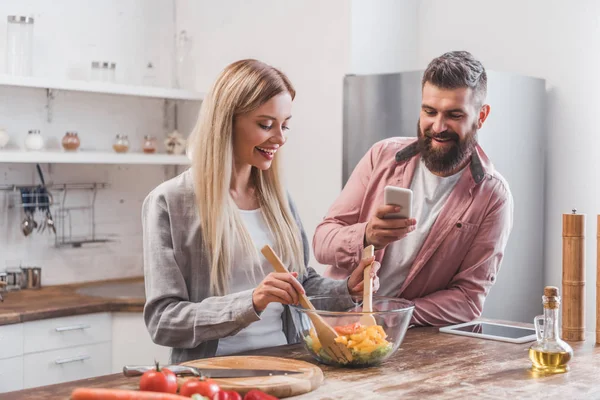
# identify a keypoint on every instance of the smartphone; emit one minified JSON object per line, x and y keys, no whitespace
{"x":398,"y":197}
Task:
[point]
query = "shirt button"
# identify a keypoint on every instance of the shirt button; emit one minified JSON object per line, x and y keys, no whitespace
{"x":459,"y":225}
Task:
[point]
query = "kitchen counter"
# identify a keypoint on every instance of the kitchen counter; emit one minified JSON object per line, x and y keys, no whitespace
{"x":62,"y":301}
{"x":428,"y":365}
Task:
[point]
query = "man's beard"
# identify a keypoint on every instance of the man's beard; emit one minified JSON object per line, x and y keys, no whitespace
{"x":446,"y":161}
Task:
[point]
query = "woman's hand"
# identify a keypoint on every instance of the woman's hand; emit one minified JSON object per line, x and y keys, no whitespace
{"x":277,"y":287}
{"x":355,"y":282}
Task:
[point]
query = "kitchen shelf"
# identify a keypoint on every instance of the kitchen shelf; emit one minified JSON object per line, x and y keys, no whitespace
{"x":100,"y":87}
{"x":90,"y":157}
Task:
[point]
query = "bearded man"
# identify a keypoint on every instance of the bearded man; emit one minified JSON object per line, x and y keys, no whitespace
{"x":447,"y":256}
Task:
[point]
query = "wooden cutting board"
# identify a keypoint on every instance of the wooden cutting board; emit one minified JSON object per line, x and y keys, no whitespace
{"x":279,"y":386}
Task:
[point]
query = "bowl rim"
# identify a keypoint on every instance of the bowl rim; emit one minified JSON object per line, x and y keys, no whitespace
{"x":410,"y":306}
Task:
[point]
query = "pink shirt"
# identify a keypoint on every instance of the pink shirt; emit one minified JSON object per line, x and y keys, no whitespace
{"x":458,"y":262}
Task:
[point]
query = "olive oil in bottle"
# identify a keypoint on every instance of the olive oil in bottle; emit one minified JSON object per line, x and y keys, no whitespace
{"x":550,"y":354}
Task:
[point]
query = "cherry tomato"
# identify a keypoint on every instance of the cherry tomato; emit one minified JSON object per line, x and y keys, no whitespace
{"x":227,"y":395}
{"x":256,"y":394}
{"x":159,"y":380}
{"x":348,"y":329}
{"x":205,"y":387}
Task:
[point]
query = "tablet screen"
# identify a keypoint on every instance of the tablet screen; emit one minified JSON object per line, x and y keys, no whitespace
{"x":512,"y":332}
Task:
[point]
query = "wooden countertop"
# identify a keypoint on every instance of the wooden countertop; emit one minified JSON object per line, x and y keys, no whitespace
{"x":428,"y":365}
{"x":62,"y":301}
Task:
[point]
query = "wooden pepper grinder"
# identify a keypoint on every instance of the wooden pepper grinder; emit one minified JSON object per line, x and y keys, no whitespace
{"x":573,"y":277}
{"x":598,"y":281}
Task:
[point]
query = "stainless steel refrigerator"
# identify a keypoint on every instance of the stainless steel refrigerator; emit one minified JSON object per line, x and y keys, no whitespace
{"x":381,"y":106}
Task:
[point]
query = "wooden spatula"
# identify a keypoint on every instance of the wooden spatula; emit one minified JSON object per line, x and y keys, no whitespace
{"x":326,"y":334}
{"x":367,"y":319}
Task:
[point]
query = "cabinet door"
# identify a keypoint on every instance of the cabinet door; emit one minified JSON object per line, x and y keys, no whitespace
{"x":11,"y":374}
{"x":64,"y":365}
{"x":11,"y":340}
{"x":66,"y":332}
{"x":131,"y":343}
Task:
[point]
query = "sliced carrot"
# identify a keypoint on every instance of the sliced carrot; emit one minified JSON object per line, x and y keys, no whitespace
{"x":121,"y":394}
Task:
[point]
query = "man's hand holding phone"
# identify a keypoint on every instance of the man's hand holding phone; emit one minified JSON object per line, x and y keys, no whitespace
{"x":391,"y":221}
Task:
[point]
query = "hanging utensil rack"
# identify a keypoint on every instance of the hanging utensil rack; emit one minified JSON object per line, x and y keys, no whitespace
{"x":62,"y":212}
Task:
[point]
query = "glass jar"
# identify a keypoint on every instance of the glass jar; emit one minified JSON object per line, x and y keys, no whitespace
{"x":121,"y":144}
{"x":149,"y":144}
{"x":103,"y":71}
{"x":4,"y":138}
{"x":34,"y":140}
{"x":184,"y":63}
{"x":109,"y":71}
{"x":19,"y":45}
{"x":70,"y":142}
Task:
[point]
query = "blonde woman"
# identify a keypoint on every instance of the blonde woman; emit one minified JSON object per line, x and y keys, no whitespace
{"x":208,"y":289}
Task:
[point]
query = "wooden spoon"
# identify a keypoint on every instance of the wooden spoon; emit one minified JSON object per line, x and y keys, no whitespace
{"x":368,"y":319}
{"x":326,"y":334}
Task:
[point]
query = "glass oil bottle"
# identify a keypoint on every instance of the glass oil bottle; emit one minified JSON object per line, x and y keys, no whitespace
{"x":550,"y":354}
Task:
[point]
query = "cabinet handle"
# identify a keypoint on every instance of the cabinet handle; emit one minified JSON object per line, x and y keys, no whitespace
{"x":70,"y":360}
{"x":72,"y":328}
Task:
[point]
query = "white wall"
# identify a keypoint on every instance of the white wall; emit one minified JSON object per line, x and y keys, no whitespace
{"x":558,"y":41}
{"x":308,"y":41}
{"x":69,"y":34}
{"x":384,"y":36}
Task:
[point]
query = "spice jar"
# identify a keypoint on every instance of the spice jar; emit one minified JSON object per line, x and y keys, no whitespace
{"x":70,"y":142}
{"x":34,"y":140}
{"x":121,"y":144}
{"x":149,"y":144}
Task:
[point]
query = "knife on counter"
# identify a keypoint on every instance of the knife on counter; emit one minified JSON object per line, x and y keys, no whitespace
{"x":136,"y":370}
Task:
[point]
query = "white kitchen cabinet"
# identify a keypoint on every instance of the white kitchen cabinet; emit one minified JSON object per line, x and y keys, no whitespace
{"x":70,"y":348}
{"x":11,"y":341}
{"x":64,"y":365}
{"x":11,"y":374}
{"x":54,"y":350}
{"x":57,"y":333}
{"x":131,"y":343}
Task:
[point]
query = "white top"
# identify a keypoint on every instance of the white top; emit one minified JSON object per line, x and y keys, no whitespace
{"x":430,"y":193}
{"x":268,"y":331}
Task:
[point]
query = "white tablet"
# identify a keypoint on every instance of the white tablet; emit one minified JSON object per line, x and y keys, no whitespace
{"x":492,"y":331}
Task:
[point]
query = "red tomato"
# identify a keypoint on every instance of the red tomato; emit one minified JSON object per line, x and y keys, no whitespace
{"x":348,"y":329}
{"x":227,"y":395}
{"x":256,"y":394}
{"x":159,"y":380}
{"x":204,"y":387}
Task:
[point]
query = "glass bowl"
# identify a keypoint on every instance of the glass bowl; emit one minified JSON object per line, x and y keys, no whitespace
{"x":368,"y":345}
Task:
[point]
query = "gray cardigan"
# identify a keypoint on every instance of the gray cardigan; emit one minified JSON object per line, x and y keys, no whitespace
{"x":179,"y":311}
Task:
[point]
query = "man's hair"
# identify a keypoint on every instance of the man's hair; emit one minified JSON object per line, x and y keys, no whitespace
{"x":457,"y":69}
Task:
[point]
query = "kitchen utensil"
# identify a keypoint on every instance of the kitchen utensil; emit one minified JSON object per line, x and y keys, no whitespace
{"x":28,"y":224}
{"x":136,"y":370}
{"x":392,"y":315}
{"x":367,"y":319}
{"x":309,"y":378}
{"x":46,"y":200}
{"x":324,"y":332}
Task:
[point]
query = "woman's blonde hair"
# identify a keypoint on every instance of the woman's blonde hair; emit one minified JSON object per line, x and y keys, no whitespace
{"x":240,"y":88}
